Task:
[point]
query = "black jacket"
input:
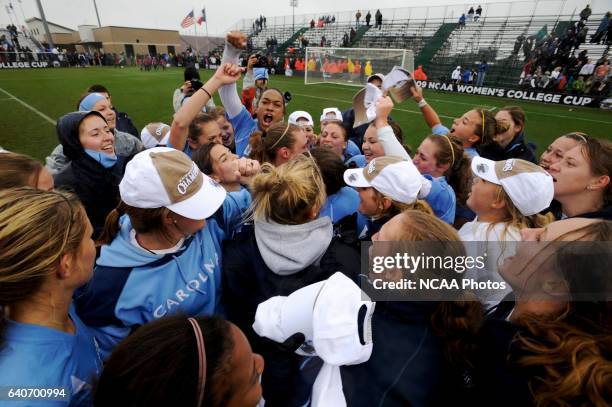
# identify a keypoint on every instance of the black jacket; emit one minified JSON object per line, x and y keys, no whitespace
{"x":247,"y":282}
{"x":407,"y":366}
{"x":516,"y":149}
{"x":97,"y":187}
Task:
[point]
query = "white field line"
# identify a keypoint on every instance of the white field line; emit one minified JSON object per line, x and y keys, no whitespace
{"x":32,"y":108}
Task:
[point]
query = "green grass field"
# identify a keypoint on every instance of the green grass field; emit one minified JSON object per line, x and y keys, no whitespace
{"x":147,"y":97}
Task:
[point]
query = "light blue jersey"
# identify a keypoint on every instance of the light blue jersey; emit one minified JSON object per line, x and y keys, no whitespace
{"x":37,"y":356}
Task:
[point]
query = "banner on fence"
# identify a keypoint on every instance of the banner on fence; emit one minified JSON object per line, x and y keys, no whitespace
{"x":25,"y":65}
{"x":518,"y":94}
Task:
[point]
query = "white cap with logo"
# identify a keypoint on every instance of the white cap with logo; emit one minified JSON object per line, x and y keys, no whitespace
{"x":331,"y":113}
{"x":394,"y":177}
{"x":529,"y":186}
{"x":300,"y":114}
{"x":341,"y":337}
{"x":164,"y":177}
{"x":154,"y":134}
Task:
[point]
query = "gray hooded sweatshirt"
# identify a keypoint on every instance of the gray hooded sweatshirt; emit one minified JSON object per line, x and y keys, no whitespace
{"x":287,"y":249}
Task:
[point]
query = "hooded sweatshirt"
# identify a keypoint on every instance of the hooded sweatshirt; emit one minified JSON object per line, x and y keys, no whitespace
{"x":132,"y":286}
{"x":269,"y":259}
{"x":96,"y":186}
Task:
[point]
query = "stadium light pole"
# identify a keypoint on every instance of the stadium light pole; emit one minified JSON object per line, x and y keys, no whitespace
{"x":97,"y":15}
{"x":293,"y":4}
{"x":44,"y":19}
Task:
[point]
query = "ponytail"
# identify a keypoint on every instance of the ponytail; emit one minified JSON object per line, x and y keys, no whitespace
{"x":111,"y":225}
{"x":265,"y":145}
{"x":487,"y":129}
{"x":143,"y":220}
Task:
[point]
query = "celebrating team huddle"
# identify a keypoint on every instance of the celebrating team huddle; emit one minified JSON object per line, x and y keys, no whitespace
{"x":236,"y":258}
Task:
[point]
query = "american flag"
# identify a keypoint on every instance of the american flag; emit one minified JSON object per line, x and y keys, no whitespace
{"x":188,"y":21}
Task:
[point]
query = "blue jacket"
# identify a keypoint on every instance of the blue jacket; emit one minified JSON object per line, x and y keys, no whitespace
{"x":244,"y":126}
{"x":37,"y":356}
{"x":132,"y":286}
{"x":442,"y":199}
{"x":341,"y":204}
{"x":356,"y":161}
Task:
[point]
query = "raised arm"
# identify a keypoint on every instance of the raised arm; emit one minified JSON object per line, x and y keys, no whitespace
{"x":235,"y":42}
{"x":386,"y":137}
{"x":225,"y":74}
{"x":429,"y":114}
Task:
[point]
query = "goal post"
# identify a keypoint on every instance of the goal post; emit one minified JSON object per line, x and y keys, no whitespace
{"x":351,"y":66}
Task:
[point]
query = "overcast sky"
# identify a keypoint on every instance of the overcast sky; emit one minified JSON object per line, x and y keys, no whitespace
{"x":221,"y":14}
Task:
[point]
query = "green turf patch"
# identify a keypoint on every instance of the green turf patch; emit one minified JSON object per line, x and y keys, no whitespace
{"x":147,"y":97}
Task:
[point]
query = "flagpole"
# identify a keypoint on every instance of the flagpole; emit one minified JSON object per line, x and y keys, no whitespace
{"x":195,"y":30}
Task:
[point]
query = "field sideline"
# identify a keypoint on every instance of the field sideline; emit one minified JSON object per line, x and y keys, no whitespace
{"x":31,"y":101}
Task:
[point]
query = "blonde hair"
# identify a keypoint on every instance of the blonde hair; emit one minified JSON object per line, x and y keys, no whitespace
{"x":36,"y":229}
{"x":18,"y":171}
{"x":287,"y":194}
{"x":398,"y":207}
{"x":514,"y":218}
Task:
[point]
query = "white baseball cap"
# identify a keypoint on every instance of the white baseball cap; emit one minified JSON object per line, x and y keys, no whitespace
{"x":341,"y":337}
{"x":300,"y":114}
{"x":529,"y":186}
{"x":165,"y":177}
{"x":154,"y":134}
{"x":394,"y":177}
{"x":376,"y":76}
{"x":331,"y":113}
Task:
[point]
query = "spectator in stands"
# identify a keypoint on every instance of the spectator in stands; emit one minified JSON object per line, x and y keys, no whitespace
{"x":123,"y":121}
{"x":466,"y":75}
{"x":215,"y":363}
{"x":419,"y":74}
{"x":578,"y":86}
{"x":585,"y":13}
{"x":286,"y":202}
{"x":352,"y":34}
{"x":582,"y":180}
{"x":602,"y":29}
{"x":518,"y":43}
{"x":461,"y":23}
{"x":46,"y":253}
{"x":368,"y":17}
{"x":270,"y":109}
{"x":482,"y":72}
{"x":470,"y":14}
{"x":456,"y":75}
{"x":478,"y":13}
{"x":95,"y":169}
{"x":378,"y":16}
{"x":532,"y":348}
{"x":587,"y":69}
{"x":512,"y":140}
{"x":20,"y":171}
{"x":357,"y":17}
{"x":312,"y":23}
{"x":323,"y":41}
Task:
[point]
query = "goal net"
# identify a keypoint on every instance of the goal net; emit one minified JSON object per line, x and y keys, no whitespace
{"x":351,"y":66}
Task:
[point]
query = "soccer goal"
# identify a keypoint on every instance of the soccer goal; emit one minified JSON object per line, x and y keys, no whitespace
{"x":351,"y":66}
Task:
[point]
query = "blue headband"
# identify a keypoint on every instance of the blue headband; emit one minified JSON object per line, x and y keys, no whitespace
{"x":89,"y":101}
{"x":260,"y":73}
